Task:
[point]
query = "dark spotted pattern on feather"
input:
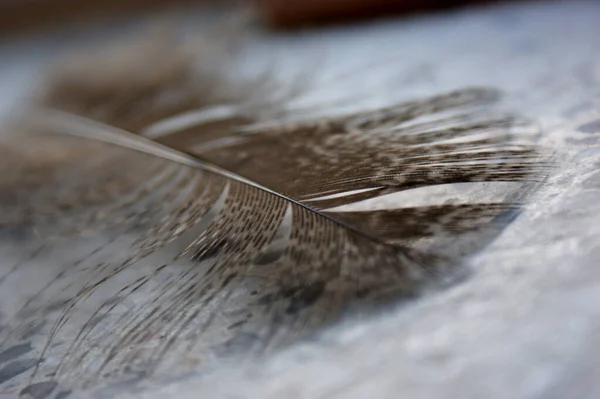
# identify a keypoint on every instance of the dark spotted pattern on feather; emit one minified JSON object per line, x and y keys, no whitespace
{"x":241,"y":250}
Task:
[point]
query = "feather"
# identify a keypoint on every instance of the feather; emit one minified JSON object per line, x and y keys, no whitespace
{"x":163,"y":240}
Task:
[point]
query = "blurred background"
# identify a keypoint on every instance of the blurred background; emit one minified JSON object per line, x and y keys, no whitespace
{"x":19,"y":15}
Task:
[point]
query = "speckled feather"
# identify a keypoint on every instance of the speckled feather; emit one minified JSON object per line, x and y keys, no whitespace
{"x":245,"y":246}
